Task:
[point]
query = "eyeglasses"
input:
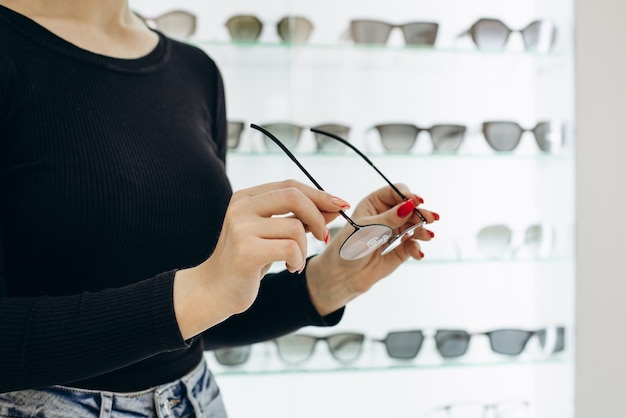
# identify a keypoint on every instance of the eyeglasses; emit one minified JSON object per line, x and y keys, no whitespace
{"x":232,"y":356}
{"x":178,"y":24}
{"x":499,"y":241}
{"x":365,"y":239}
{"x":511,"y":342}
{"x":506,"y":135}
{"x":377,"y":32}
{"x":297,"y":348}
{"x":400,"y":137}
{"x":505,"y":409}
{"x":291,"y":133}
{"x":406,"y":345}
{"x":289,"y":28}
{"x":493,"y":33}
{"x":234,"y":130}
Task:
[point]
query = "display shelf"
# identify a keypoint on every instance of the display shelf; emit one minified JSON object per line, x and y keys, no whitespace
{"x":223,"y":371}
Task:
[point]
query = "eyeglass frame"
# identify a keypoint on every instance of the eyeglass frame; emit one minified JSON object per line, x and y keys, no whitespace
{"x":392,"y":241}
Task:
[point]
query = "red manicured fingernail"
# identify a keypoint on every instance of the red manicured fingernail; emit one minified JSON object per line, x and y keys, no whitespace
{"x":420,"y":199}
{"x":435,"y":215}
{"x":327,"y":237}
{"x":421,"y":254}
{"x":340,"y":202}
{"x":432,"y":234}
{"x":406,"y":209}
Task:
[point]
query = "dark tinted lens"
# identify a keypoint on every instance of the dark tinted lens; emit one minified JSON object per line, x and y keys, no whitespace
{"x":177,"y":24}
{"x":370,"y":31}
{"x":554,"y":337}
{"x":502,"y":136}
{"x":345,"y":347}
{"x":447,"y":138}
{"x":494,"y":240}
{"x":232,"y":356}
{"x":540,"y":35}
{"x":420,"y":33}
{"x":490,"y":33}
{"x":508,"y":341}
{"x":325,"y":143}
{"x":404,"y":344}
{"x":549,"y":136}
{"x":397,"y":137}
{"x":294,"y":29}
{"x":452,"y":343}
{"x":364,"y":241}
{"x":288,"y":133}
{"x":295,"y":348}
{"x":244,"y":27}
{"x":234,"y":134}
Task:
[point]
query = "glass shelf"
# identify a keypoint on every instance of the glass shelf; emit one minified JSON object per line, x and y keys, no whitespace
{"x":223,"y":371}
{"x":378,"y":57}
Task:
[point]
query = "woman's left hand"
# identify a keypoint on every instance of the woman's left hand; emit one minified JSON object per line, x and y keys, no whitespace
{"x":333,"y":281}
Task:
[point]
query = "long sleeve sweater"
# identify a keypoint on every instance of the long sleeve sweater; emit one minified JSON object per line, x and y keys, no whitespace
{"x":112,"y":177}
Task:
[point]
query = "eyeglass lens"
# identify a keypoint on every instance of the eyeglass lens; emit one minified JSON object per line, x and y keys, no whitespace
{"x":297,"y":348}
{"x":493,"y":33}
{"x":177,"y":24}
{"x":232,"y":356}
{"x":403,"y":344}
{"x":234,"y":131}
{"x":377,"y":32}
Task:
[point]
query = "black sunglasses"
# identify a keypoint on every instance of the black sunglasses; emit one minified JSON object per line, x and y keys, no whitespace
{"x":365,"y":239}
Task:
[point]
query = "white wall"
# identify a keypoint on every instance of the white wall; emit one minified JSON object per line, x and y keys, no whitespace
{"x":601,"y":206}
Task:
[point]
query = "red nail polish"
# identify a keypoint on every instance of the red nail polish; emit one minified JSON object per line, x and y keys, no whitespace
{"x":421,"y":254}
{"x":406,"y":209}
{"x":327,"y":237}
{"x":420,"y":200}
{"x":435,"y":215}
{"x":432,"y":234}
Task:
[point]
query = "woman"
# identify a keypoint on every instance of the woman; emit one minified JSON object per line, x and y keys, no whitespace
{"x":125,"y":254}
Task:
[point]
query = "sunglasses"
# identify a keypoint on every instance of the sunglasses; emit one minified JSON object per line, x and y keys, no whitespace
{"x":248,"y":28}
{"x":506,"y":135}
{"x":506,"y":409}
{"x":365,"y":239}
{"x":232,"y":356}
{"x":405,"y":345}
{"x":377,"y":32}
{"x":401,"y":137}
{"x":291,"y":134}
{"x":539,"y":35}
{"x":297,"y":348}
{"x":178,"y":24}
{"x":499,"y":241}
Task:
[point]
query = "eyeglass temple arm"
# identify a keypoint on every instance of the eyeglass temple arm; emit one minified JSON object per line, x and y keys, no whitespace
{"x":300,"y":166}
{"x":343,"y":141}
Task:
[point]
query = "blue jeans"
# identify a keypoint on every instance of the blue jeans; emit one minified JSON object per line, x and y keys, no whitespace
{"x":196,"y":395}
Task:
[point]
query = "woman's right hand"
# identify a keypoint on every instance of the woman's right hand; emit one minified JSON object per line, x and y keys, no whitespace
{"x":263,"y":224}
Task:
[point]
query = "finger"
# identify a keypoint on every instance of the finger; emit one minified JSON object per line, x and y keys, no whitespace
{"x":291,"y":200}
{"x":288,"y":228}
{"x":412,"y":247}
{"x":324,"y":201}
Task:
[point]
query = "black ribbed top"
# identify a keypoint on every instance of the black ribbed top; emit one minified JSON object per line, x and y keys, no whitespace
{"x":111,"y":178}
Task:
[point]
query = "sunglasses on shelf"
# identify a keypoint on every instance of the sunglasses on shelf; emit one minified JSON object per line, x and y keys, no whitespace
{"x":401,"y":137}
{"x":232,"y":356}
{"x":247,"y":28}
{"x":297,"y":348}
{"x":368,"y":31}
{"x":365,"y":239}
{"x":405,"y":345}
{"x":500,"y":241}
{"x":489,"y":33}
{"x":291,"y":133}
{"x":506,"y":135}
{"x":177,"y":24}
{"x":469,"y":409}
